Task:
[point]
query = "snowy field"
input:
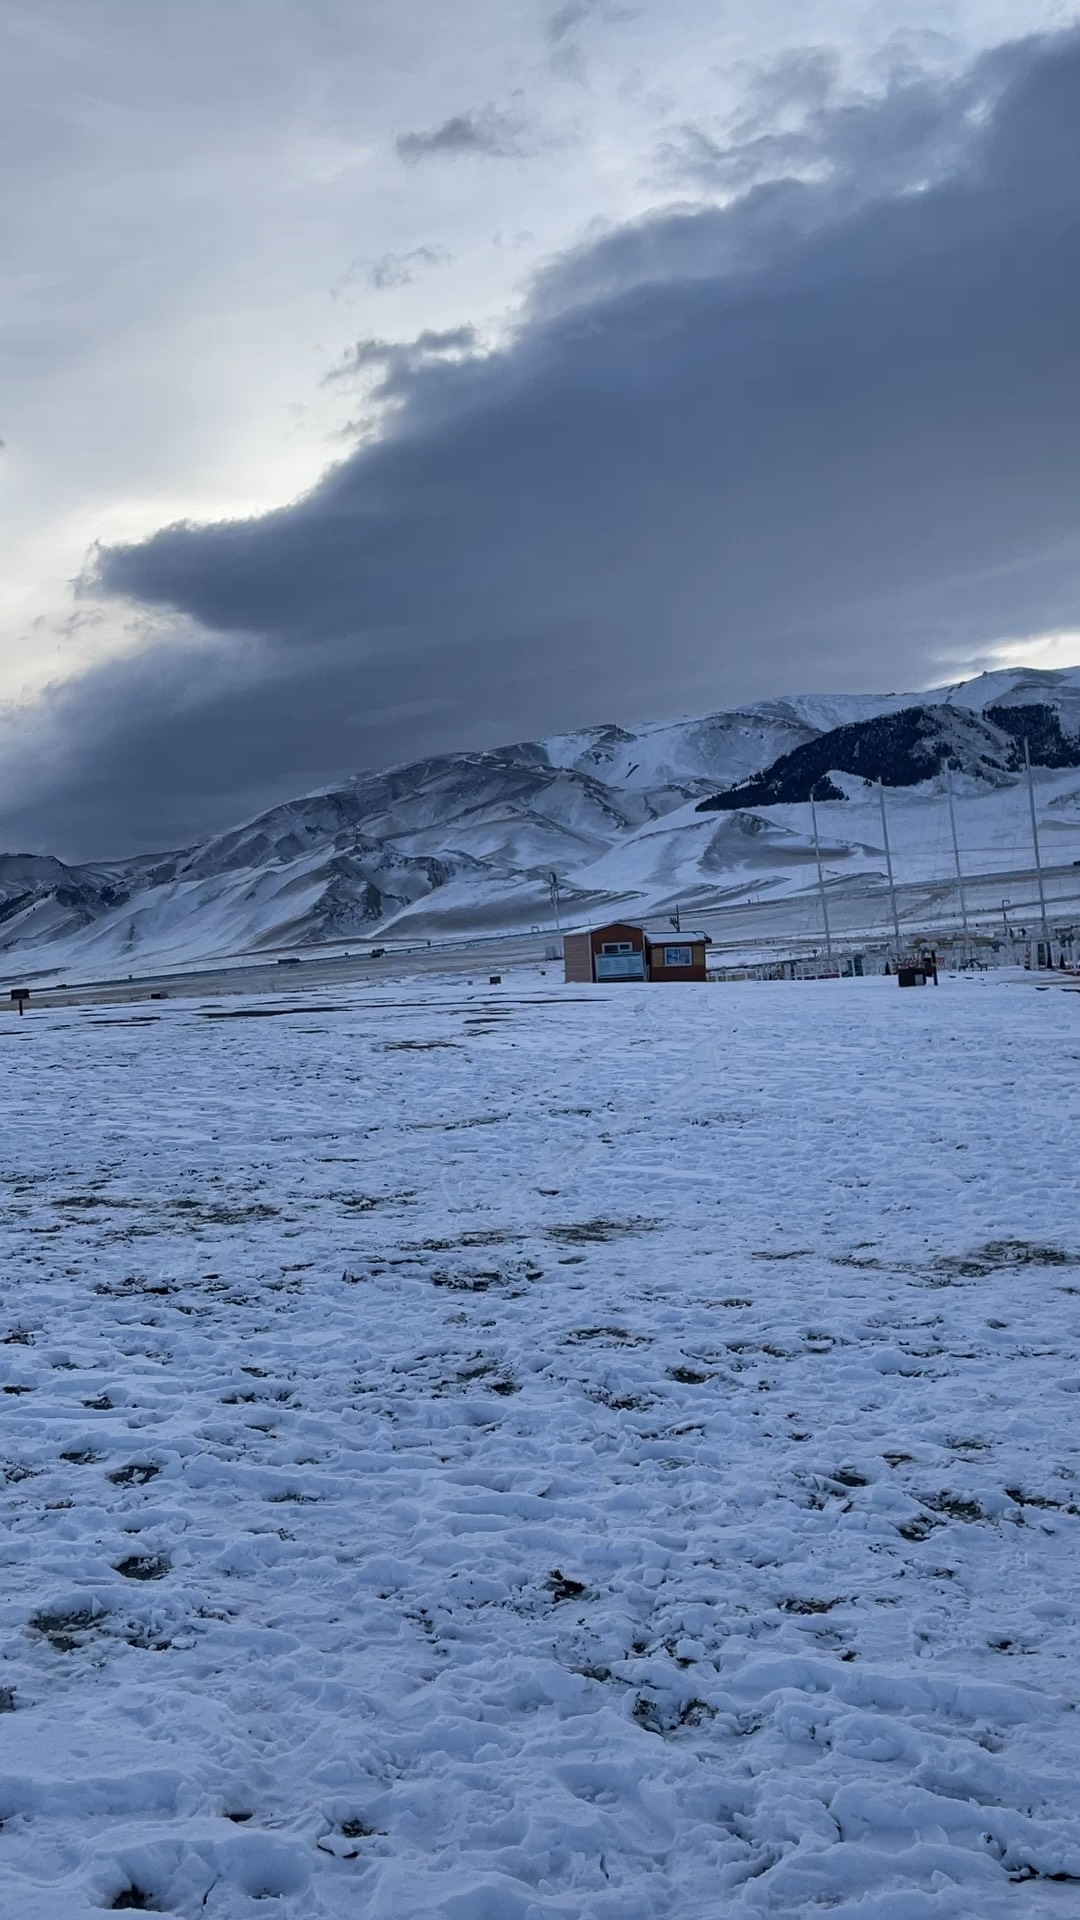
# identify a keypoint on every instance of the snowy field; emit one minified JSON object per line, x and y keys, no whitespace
{"x":511,"y":1454}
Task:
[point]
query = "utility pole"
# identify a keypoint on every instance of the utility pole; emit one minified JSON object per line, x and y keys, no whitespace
{"x":821,"y":881}
{"x":956,"y":851}
{"x":1035,"y":844}
{"x":888,"y":864}
{"x":553,"y":892}
{"x":674,"y":920}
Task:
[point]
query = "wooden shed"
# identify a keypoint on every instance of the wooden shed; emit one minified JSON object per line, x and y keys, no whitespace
{"x":677,"y":956}
{"x":615,"y":952}
{"x":620,"y":951}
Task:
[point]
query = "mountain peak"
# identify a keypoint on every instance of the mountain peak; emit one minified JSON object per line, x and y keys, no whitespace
{"x":709,"y":810}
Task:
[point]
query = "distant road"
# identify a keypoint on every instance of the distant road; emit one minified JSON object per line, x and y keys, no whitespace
{"x":299,"y":975}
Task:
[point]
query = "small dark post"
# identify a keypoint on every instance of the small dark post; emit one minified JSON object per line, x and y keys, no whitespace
{"x":20,"y":995}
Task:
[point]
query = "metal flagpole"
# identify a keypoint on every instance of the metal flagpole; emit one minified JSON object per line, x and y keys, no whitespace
{"x":888,"y":863}
{"x":1035,"y":844}
{"x":553,"y":889}
{"x":821,"y":880}
{"x":956,"y":851}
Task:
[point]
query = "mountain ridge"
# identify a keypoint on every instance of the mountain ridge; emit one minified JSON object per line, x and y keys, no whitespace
{"x":701,"y":809}
{"x":902,"y":748}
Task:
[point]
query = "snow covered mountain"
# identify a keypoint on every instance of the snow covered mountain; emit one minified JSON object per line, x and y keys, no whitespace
{"x":700,"y":811}
{"x":905,"y":748}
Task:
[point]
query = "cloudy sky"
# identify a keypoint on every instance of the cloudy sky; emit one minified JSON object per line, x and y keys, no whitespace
{"x":382,"y":376}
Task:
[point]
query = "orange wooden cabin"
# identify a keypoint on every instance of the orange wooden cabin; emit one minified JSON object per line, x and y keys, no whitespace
{"x":621,"y":951}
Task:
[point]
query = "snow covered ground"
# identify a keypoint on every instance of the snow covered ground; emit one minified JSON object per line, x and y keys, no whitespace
{"x":523,"y":1453}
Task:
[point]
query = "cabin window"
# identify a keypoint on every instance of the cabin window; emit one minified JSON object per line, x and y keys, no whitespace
{"x":678,"y":957}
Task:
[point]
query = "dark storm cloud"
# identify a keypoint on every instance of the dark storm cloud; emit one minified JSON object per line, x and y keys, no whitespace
{"x":401,"y":269}
{"x":482,"y":130}
{"x":567,"y":18}
{"x":807,"y":439}
{"x":563,"y":28}
{"x":395,"y":360}
{"x":794,"y":123}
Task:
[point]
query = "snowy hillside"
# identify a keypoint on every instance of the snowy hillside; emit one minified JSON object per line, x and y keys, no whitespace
{"x":466,"y":842}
